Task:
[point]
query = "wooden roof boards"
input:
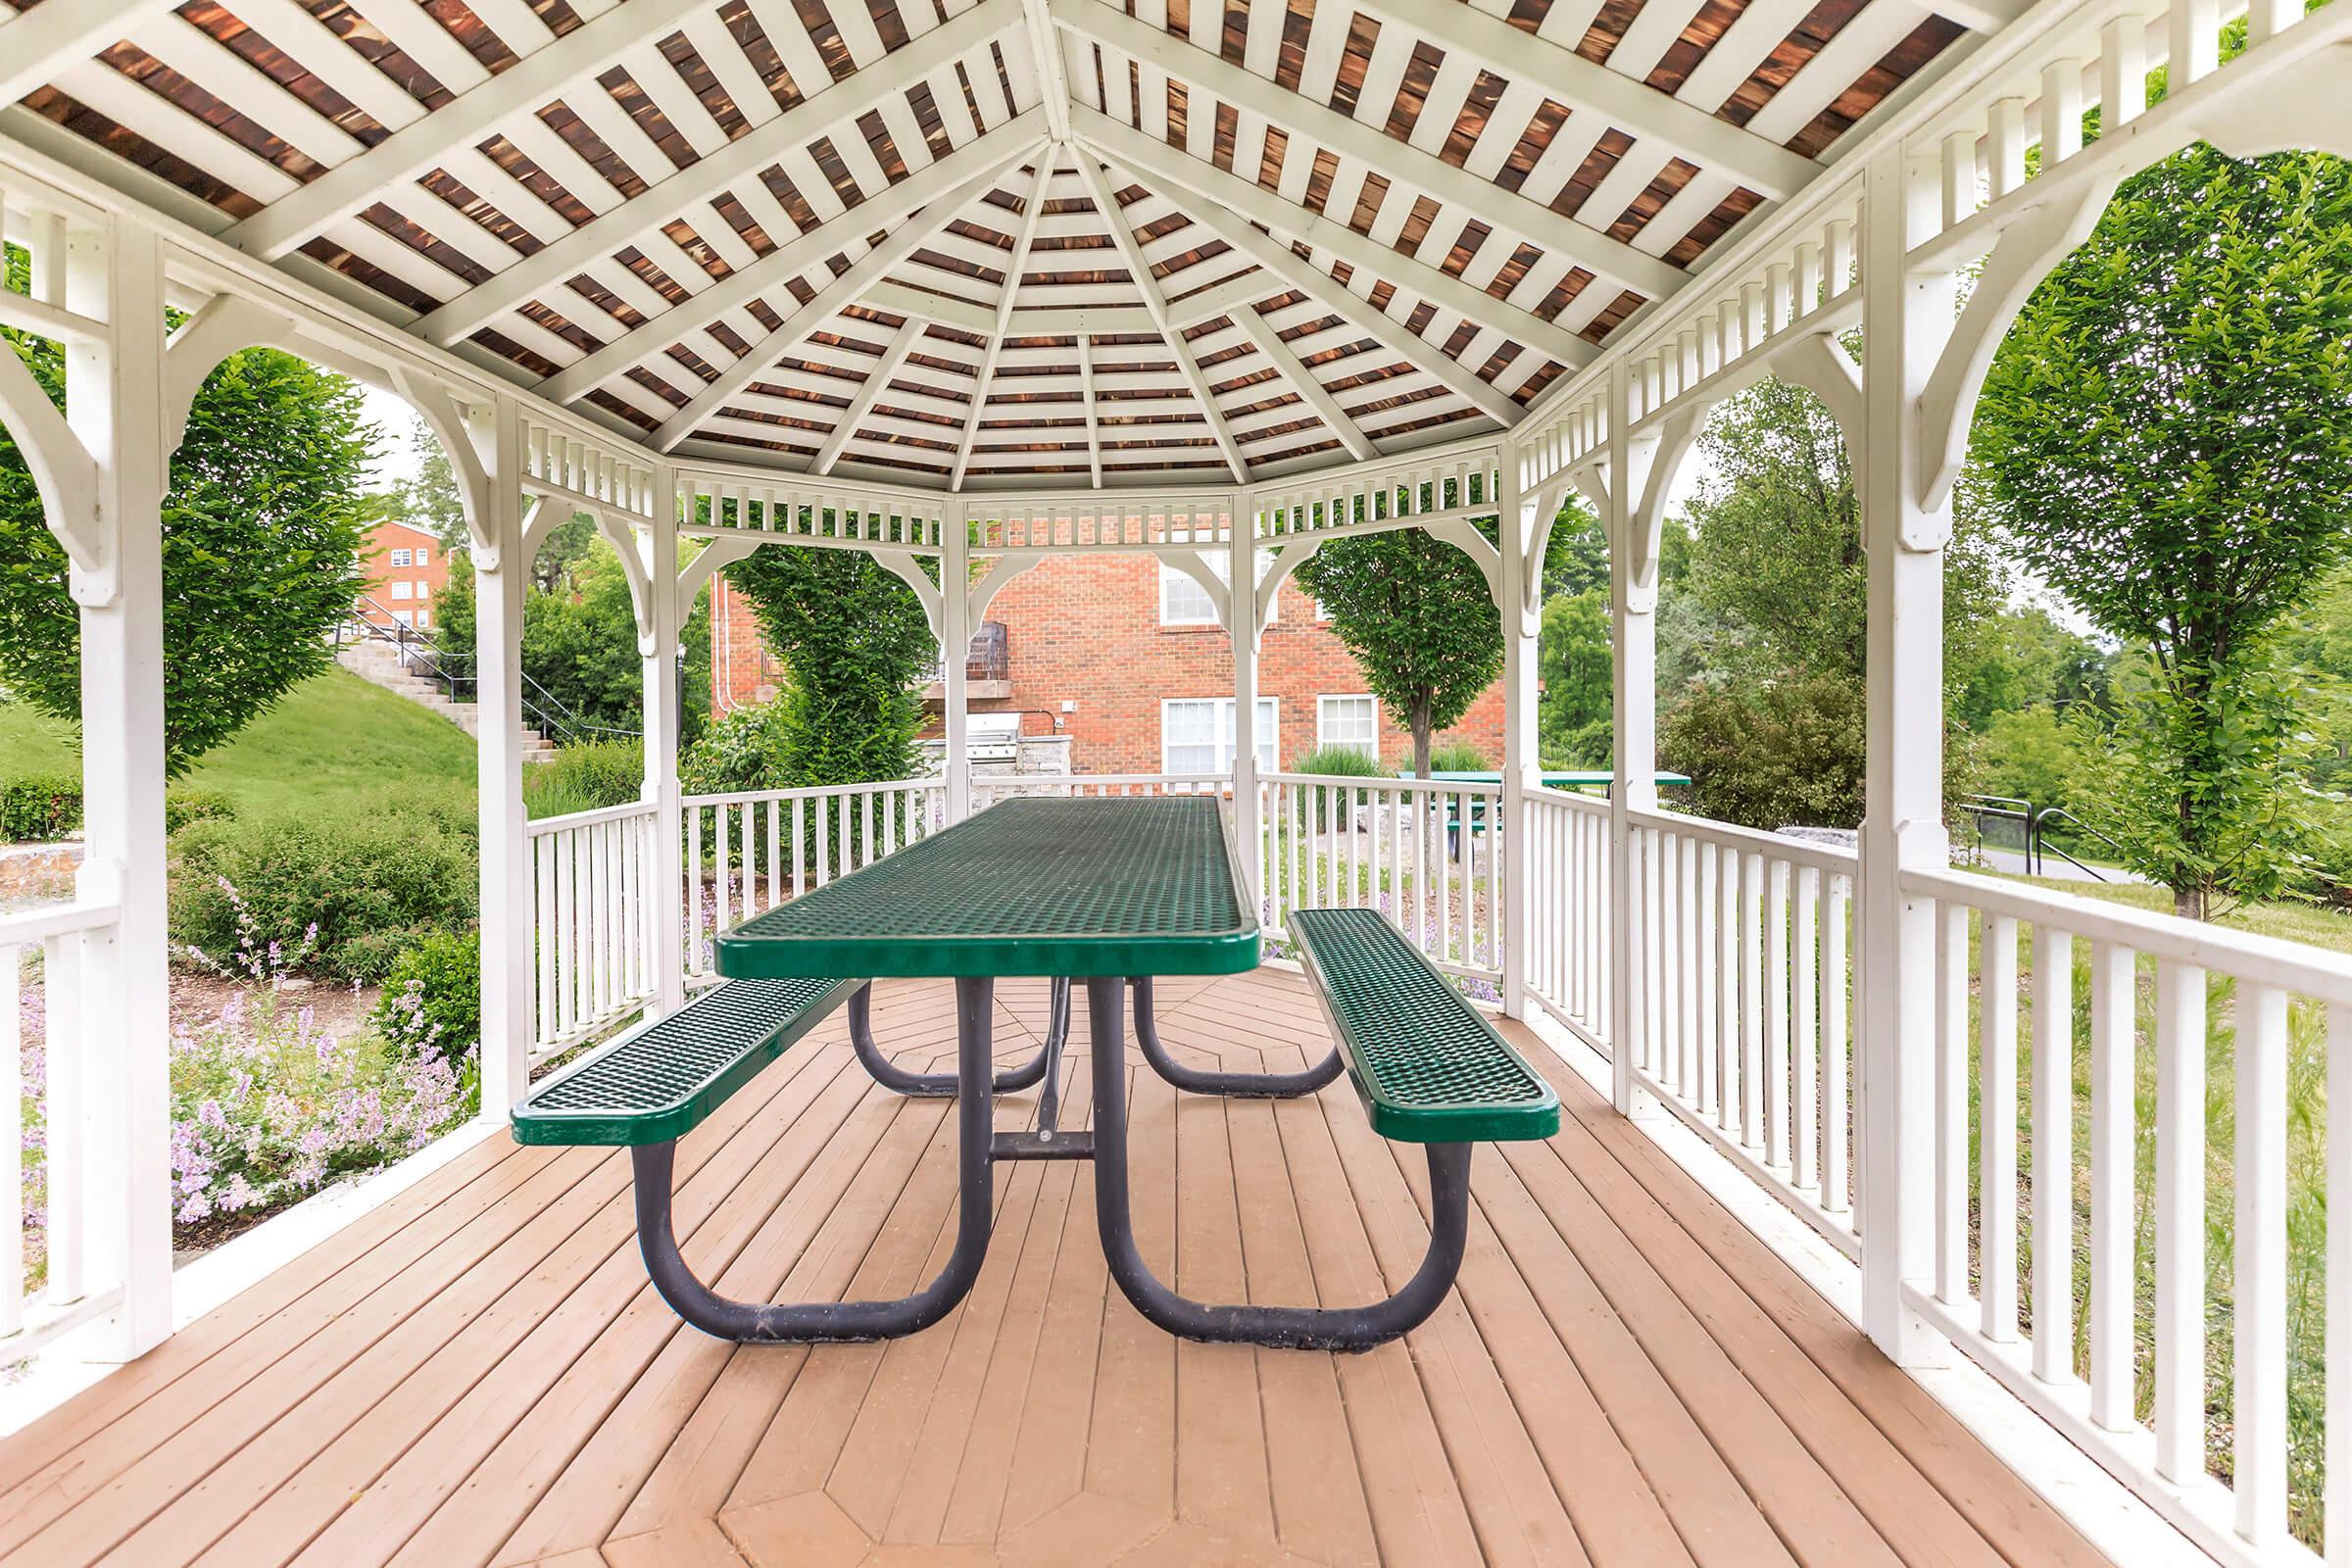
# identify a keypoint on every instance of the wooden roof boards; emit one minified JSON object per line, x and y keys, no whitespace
{"x":890,"y":238}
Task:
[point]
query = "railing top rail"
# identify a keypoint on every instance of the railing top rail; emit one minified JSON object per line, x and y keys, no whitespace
{"x":2267,"y":961}
{"x":1597,"y":805}
{"x":1485,"y":790}
{"x":604,"y":813}
{"x":1014,"y":781}
{"x":1800,"y":852}
{"x":56,"y":921}
{"x":813,"y":792}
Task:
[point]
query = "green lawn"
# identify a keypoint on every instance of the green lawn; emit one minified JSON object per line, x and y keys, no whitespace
{"x":2319,"y":924}
{"x":332,"y":740}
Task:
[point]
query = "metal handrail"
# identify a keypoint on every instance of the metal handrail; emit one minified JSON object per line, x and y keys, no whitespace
{"x":422,"y":653}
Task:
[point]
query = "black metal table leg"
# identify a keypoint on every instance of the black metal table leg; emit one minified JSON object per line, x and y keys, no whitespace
{"x":844,"y":1322}
{"x":1239,"y":1085}
{"x":1305,"y":1328}
{"x":942,"y":1085}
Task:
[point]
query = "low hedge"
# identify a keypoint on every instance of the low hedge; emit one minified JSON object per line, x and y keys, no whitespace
{"x":375,"y":884}
{"x":39,"y":807}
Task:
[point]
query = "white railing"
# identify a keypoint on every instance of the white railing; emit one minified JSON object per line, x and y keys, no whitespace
{"x":594,"y":913}
{"x":746,"y":853}
{"x":53,"y":1273}
{"x":1744,"y":1003}
{"x":1423,"y":853}
{"x":1566,"y":860}
{"x":2176,"y":1369}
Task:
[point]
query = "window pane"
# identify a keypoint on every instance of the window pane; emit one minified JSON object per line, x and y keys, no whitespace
{"x":1347,"y":722}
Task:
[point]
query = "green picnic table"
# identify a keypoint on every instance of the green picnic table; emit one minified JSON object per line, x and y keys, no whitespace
{"x":1101,"y":892}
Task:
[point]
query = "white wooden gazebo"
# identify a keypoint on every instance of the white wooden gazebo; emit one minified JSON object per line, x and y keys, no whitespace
{"x":982,"y":283}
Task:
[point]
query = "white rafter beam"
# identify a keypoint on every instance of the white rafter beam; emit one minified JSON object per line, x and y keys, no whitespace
{"x":1762,"y":165}
{"x":845,"y":289}
{"x":1269,"y":342}
{"x":1106,"y":203}
{"x":1374,"y":148}
{"x":995,"y":151}
{"x":742,"y":158}
{"x":1255,"y":204}
{"x":902,"y":344}
{"x":522,"y":89}
{"x":996,"y":338}
{"x":1086,"y":389}
{"x":35,"y":45}
{"x":1052,"y":80}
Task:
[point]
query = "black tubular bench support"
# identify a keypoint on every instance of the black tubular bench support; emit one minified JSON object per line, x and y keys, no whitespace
{"x":1302,"y":1328}
{"x":943,"y":1085}
{"x":1237,"y":1085}
{"x":843,"y":1322}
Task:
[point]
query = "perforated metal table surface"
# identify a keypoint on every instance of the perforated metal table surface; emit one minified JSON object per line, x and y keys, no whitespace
{"x":1072,"y":887}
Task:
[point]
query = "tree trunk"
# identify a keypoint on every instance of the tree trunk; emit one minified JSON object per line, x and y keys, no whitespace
{"x":2190,"y":902}
{"x":1421,"y":740}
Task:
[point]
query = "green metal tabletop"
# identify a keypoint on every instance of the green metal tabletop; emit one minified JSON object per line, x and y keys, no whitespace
{"x":1028,"y":887}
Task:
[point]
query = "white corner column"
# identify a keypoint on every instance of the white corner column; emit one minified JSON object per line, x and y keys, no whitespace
{"x":114,"y":398}
{"x":1241,"y":622}
{"x":663,"y":717}
{"x":1633,"y":760}
{"x":1523,"y":534}
{"x":1907,"y":318}
{"x":954,"y":655}
{"x":501,"y":574}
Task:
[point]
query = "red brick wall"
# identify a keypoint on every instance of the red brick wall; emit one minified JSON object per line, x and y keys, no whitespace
{"x":1086,"y":630}
{"x":425,"y":583}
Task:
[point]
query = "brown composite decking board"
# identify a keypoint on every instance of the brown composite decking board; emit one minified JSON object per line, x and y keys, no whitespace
{"x":477,"y":1372}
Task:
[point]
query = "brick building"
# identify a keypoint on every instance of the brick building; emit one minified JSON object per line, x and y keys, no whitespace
{"x":407,"y":570}
{"x":1125,"y":657}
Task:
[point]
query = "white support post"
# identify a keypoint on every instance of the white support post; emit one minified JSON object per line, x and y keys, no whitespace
{"x":1907,"y":319}
{"x":114,"y":401}
{"x":1514,"y":869}
{"x":507,"y":966}
{"x":1634,"y":631}
{"x":954,"y":651}
{"x":1243,"y":622}
{"x":663,"y":716}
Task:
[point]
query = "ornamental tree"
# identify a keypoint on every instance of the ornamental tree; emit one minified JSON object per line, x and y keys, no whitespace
{"x":854,"y":637}
{"x":2168,"y":432}
{"x":1417,"y":614}
{"x":262,"y":532}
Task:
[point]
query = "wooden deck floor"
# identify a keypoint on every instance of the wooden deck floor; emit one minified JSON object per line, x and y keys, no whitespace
{"x":477,"y":1372}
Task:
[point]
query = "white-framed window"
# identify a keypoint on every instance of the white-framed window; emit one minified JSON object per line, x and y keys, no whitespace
{"x":400,"y":557}
{"x":1352,"y":720}
{"x":404,"y":589}
{"x":403,"y":618}
{"x":1196,"y":734}
{"x":424,"y":620}
{"x":1183,"y":602}
{"x":425,"y":590}
{"x":425,"y":555}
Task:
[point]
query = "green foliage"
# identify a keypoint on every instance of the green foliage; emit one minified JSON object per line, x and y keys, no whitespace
{"x":854,"y":639}
{"x":261,"y":536}
{"x":1341,"y":761}
{"x":1575,"y":717}
{"x":1459,"y":756}
{"x":585,"y":777}
{"x":372,"y":883}
{"x":743,"y":748}
{"x":1770,"y":753}
{"x":432,"y":997}
{"x":190,"y":804}
{"x":2168,"y":431}
{"x":39,"y":807}
{"x":2029,"y":754}
{"x":1576,"y":559}
{"x":1417,"y":614}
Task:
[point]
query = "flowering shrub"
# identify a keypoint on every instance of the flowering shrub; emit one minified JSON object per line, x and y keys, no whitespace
{"x":32,"y":1055}
{"x":267,"y":1107}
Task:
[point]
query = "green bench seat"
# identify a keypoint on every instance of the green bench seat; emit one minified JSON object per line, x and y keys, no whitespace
{"x":660,"y":1080}
{"x":1428,"y":1066}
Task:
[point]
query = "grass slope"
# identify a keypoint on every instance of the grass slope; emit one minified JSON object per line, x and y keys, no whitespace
{"x":333,"y":741}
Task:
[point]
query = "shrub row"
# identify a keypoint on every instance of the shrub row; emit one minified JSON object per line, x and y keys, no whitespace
{"x":38,"y":807}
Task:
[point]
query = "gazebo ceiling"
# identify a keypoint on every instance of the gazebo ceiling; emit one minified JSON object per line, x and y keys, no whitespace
{"x":1044,"y":243}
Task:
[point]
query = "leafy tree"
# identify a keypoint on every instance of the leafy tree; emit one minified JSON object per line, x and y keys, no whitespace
{"x":431,"y":496}
{"x":1576,"y":559}
{"x":1575,"y":718}
{"x":262,"y":532}
{"x":854,"y":638}
{"x":1769,"y":753}
{"x":2167,"y":429}
{"x":1417,"y":614}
